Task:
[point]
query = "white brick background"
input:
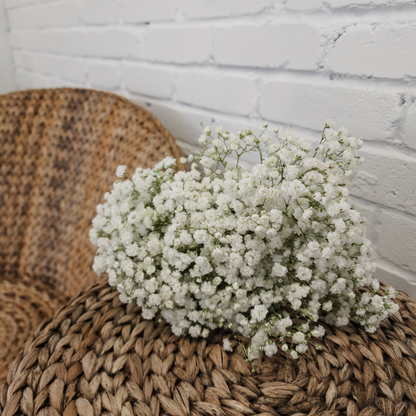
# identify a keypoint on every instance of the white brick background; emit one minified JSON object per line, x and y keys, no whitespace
{"x":293,"y":63}
{"x":6,"y":68}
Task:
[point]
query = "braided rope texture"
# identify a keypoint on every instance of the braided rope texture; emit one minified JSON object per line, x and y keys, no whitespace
{"x":99,"y":357}
{"x":59,"y":150}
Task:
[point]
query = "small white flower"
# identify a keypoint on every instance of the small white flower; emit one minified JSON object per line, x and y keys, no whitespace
{"x":195,"y":331}
{"x":327,"y":306}
{"x":298,"y":337}
{"x":217,"y":280}
{"x":226,"y":344}
{"x":202,"y":139}
{"x":270,"y":349}
{"x":121,"y":171}
{"x":301,"y":348}
{"x":304,"y":273}
{"x":330,"y":123}
{"x":221,"y":246}
{"x":296,"y":304}
{"x":318,"y":332}
{"x":258,"y":313}
{"x":217,"y":143}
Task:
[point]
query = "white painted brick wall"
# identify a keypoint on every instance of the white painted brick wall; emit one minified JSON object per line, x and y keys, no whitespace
{"x":205,"y":9}
{"x":104,"y":76}
{"x":232,"y":94}
{"x":306,"y":102}
{"x":148,"y":81}
{"x":72,"y":69}
{"x":361,"y":50}
{"x":65,"y":13}
{"x":178,"y":45}
{"x":290,"y":46}
{"x":293,"y":63}
{"x":99,"y":12}
{"x":7,"y":79}
{"x":142,"y":11}
{"x":410,"y":126}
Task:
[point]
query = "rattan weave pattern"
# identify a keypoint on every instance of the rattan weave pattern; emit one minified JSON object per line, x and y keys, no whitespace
{"x":99,"y":357}
{"x":58,"y":153}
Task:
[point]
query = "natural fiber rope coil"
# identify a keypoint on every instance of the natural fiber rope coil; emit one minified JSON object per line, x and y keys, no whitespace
{"x":99,"y":357}
{"x":59,"y":150}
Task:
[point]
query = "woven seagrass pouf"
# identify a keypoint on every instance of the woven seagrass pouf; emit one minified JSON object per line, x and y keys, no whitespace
{"x":59,"y":150}
{"x":97,"y":356}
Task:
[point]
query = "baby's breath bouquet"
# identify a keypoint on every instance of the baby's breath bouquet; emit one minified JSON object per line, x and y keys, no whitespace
{"x":263,"y":252}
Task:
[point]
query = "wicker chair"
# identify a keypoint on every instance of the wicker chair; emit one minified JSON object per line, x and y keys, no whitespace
{"x":98,"y":356}
{"x":58,"y":153}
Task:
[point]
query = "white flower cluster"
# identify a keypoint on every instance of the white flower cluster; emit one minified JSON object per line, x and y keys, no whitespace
{"x":260,"y":252}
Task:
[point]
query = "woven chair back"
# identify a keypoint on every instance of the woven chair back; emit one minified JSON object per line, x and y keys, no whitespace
{"x":59,"y":150}
{"x":58,"y":153}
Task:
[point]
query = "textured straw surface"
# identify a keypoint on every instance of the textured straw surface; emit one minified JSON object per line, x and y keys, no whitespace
{"x":58,"y":153}
{"x":98,"y":356}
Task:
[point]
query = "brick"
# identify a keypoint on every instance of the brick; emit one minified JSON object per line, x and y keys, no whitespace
{"x":387,"y":177}
{"x":72,"y":70}
{"x":104,"y":76}
{"x":103,"y":44}
{"x":22,"y":80}
{"x":225,"y":93}
{"x":203,"y":9}
{"x":148,"y":81}
{"x":369,"y":212}
{"x":397,"y":239}
{"x":303,"y":5}
{"x":181,"y":121}
{"x":100,"y":11}
{"x":23,"y":60}
{"x":348,"y":3}
{"x":377,"y":52}
{"x":79,"y":43}
{"x":17,"y":40}
{"x":410,"y":127}
{"x":46,"y":64}
{"x":60,"y":83}
{"x":118,"y":44}
{"x":369,"y":113}
{"x":140,"y":11}
{"x":395,"y":276}
{"x":9,"y":4}
{"x":294,"y":46}
{"x":29,"y":40}
{"x":190,"y":45}
{"x":333,"y":4}
{"x":39,"y":81}
{"x":46,"y":15}
{"x":50,"y":41}
{"x":34,"y":81}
